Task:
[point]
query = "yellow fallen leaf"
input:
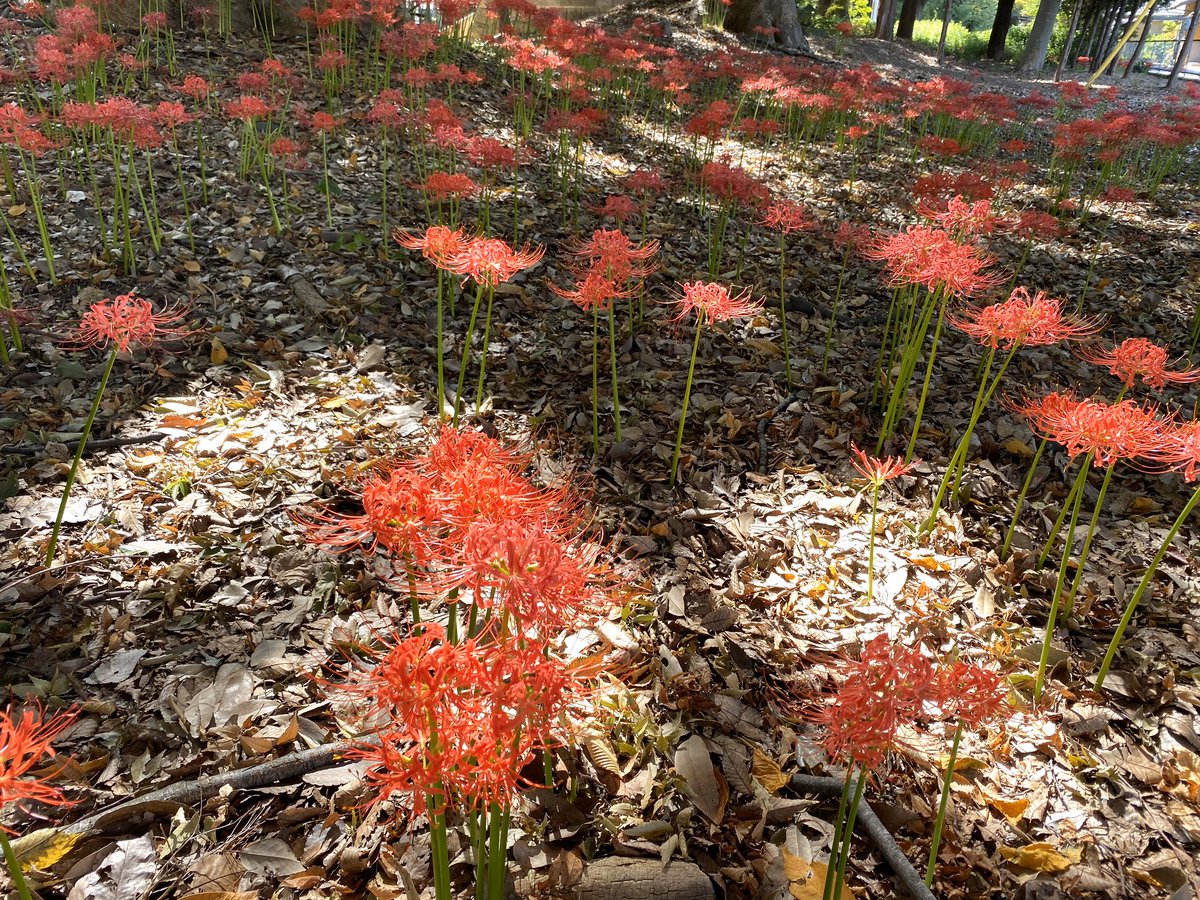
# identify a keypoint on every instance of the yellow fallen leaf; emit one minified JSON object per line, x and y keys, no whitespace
{"x":1041,"y":857}
{"x":17,"y":210}
{"x":767,"y":772}
{"x":930,"y":563}
{"x":1018,"y":447}
{"x":1012,"y":810}
{"x":218,"y":353}
{"x":808,"y":879}
{"x":191,"y":266}
{"x":43,"y":848}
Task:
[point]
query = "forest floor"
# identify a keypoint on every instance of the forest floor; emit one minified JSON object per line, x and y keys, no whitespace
{"x":187,"y":613}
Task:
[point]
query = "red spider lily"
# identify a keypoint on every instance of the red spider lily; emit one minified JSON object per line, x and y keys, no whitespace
{"x":288,"y":149}
{"x":1180,"y":450}
{"x":248,"y":108}
{"x":970,"y":694}
{"x":543,"y":581}
{"x":1110,"y":432}
{"x":25,"y":740}
{"x":490,"y":153}
{"x":124,"y":322}
{"x":155,"y":21}
{"x":615,"y":255}
{"x":788,"y":216}
{"x":595,"y":291}
{"x":323,"y":121}
{"x":171,"y":114}
{"x":732,"y":184}
{"x":714,"y":302}
{"x":257,"y":83}
{"x":619,"y":208}
{"x":644,"y":182}
{"x":878,"y":471}
{"x":883,"y":691}
{"x":1033,"y":223}
{"x":456,"y":723}
{"x":961,"y":217}
{"x":491,"y":261}
{"x":1030,"y":320}
{"x":440,"y":244}
{"x":445,"y":185}
{"x":1135,"y":358}
{"x":932,"y":258}
{"x":852,"y":237}
{"x":195,"y":87}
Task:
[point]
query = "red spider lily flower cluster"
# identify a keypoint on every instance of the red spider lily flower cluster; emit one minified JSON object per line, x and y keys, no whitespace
{"x":447,"y":185}
{"x":891,"y":687}
{"x":1027,"y":319}
{"x":440,"y":244}
{"x":491,"y":261}
{"x":788,"y":216}
{"x":733,"y":185}
{"x":25,"y":740}
{"x":878,"y":471}
{"x":715,"y":302}
{"x":962,"y":217}
{"x":460,"y":721}
{"x":1136,"y":358}
{"x":610,"y":264}
{"x":1033,"y":223}
{"x":931,"y":257}
{"x":1110,"y":432}
{"x":1180,"y":449}
{"x":124,"y":322}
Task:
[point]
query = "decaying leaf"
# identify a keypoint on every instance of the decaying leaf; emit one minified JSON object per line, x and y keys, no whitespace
{"x":1041,"y":857}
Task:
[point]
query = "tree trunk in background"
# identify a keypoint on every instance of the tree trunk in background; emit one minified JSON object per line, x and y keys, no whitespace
{"x":886,"y":23}
{"x":1066,"y":53}
{"x":941,"y":54}
{"x":908,"y":17}
{"x":1034,"y":56}
{"x":1185,"y":50}
{"x":782,"y":15}
{"x":1141,"y":44}
{"x":1000,"y":26}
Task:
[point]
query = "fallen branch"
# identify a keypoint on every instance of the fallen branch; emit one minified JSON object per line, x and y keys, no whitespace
{"x":92,"y":445}
{"x":869,"y":823}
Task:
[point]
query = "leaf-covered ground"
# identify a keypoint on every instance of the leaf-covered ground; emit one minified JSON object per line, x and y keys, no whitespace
{"x":189,"y":618}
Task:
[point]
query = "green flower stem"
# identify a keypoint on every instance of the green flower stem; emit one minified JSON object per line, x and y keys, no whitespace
{"x":687,"y":395}
{"x":487,"y":334}
{"x":14,"y":868}
{"x":441,"y":373}
{"x":87,"y":430}
{"x":497,"y":852}
{"x":848,"y":835}
{"x":1087,"y":541}
{"x":1142,"y":587}
{"x":837,"y":297}
{"x":835,"y":848}
{"x":943,"y":804}
{"x":1052,"y":619}
{"x":1062,"y":518}
{"x":1012,"y":526}
{"x":976,"y":413}
{"x":871,"y":543}
{"x":325,"y":172}
{"x":937,"y":334}
{"x":462,"y":367}
{"x":787,"y":355}
{"x":35,"y":198}
{"x":612,"y":353}
{"x":439,"y":846}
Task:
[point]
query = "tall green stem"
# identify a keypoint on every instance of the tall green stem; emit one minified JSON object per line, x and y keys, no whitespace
{"x":1142,"y":587}
{"x":487,"y":334}
{"x":871,"y":544}
{"x":1012,"y":526}
{"x":848,"y":834}
{"x":612,"y":353}
{"x":687,"y":395}
{"x":839,"y":824}
{"x":87,"y":430}
{"x":1087,"y":541}
{"x":462,"y":367}
{"x":943,"y":804}
{"x":14,"y":868}
{"x":1052,"y":619}
{"x":595,"y":380}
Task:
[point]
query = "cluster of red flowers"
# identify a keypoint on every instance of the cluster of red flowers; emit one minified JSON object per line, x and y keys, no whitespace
{"x":1108,"y":432}
{"x":457,"y":719}
{"x":487,"y":261}
{"x":891,"y":687}
{"x":1026,"y":319}
{"x":25,"y":741}
{"x":609,"y":265}
{"x":931,"y":257}
{"x":124,"y":322}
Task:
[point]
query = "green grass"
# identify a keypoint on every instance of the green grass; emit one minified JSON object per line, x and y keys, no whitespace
{"x":960,"y":42}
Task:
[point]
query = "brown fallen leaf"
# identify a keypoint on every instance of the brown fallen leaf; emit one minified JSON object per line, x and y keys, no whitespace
{"x":767,"y":772}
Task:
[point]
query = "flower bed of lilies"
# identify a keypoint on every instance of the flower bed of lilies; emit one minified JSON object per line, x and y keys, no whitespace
{"x":672,"y":417}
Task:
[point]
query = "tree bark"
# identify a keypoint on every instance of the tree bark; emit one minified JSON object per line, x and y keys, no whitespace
{"x":1141,"y":44}
{"x":941,"y":54}
{"x":885,"y":24}
{"x":1066,"y":51}
{"x":1185,"y":49}
{"x":1000,"y":26}
{"x":908,"y":17}
{"x":1034,"y":56}
{"x":781,"y":15}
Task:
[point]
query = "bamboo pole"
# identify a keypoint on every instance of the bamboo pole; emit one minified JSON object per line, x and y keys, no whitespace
{"x":1121,"y":43}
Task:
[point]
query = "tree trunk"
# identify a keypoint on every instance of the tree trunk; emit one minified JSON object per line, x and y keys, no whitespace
{"x":1185,"y":48}
{"x":941,"y":54}
{"x":781,"y":15}
{"x":885,"y":24}
{"x":908,"y":17}
{"x":1066,"y":51}
{"x":1141,"y":44}
{"x":1034,"y":56}
{"x":1000,"y":26}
